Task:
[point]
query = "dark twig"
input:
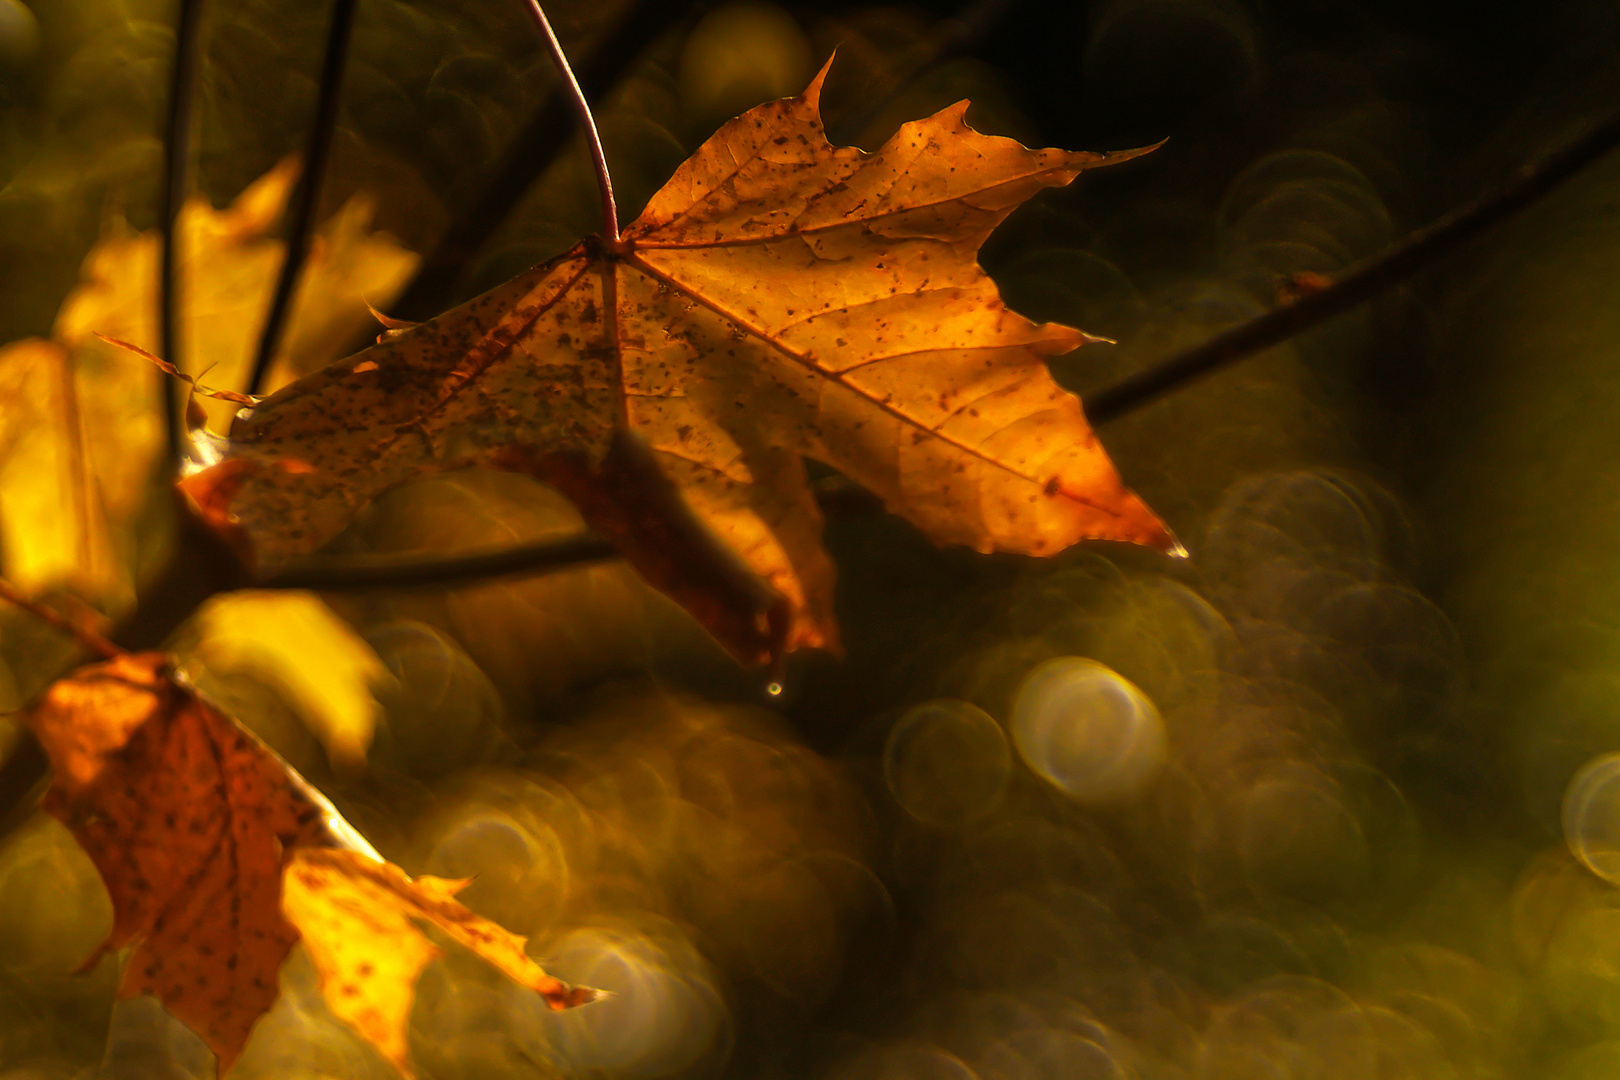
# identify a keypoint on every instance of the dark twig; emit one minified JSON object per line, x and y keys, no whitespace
{"x":176,"y":164}
{"x":587,"y":123}
{"x":1372,"y":277}
{"x":307,"y":197}
{"x":529,"y":154}
{"x":439,"y":570}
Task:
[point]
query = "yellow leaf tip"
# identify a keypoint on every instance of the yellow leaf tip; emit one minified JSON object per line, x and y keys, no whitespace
{"x":812,"y":93}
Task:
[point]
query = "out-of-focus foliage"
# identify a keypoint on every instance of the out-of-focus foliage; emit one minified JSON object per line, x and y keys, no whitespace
{"x":59,"y":485}
{"x":229,"y":260}
{"x":81,"y":422}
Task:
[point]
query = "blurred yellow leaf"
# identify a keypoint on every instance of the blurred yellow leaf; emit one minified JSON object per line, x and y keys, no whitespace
{"x":72,"y":455}
{"x":229,"y":262}
{"x":295,"y":643}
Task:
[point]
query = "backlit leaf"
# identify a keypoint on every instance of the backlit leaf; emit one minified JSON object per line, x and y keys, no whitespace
{"x":80,"y":420}
{"x":60,"y":433}
{"x":779,"y":299}
{"x":229,"y":260}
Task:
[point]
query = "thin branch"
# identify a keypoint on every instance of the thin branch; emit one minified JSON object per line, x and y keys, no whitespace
{"x":440,"y":570}
{"x":301,"y":214}
{"x":176,"y":162}
{"x":1372,"y":277}
{"x":582,"y":109}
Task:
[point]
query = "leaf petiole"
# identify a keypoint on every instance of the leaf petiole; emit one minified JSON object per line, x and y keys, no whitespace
{"x":604,"y":181}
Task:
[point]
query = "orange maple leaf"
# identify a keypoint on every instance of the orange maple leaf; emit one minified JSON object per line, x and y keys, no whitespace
{"x":219,"y":858}
{"x":779,"y":299}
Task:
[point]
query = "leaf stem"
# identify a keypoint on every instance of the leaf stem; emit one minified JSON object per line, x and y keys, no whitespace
{"x":529,"y":153}
{"x":1395,"y":264}
{"x":176,"y":159}
{"x":408,"y":571}
{"x":307,"y":197}
{"x":604,"y":182}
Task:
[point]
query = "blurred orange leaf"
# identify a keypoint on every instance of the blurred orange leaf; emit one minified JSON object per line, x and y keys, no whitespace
{"x":779,"y":299}
{"x":355,"y":914}
{"x":218,"y":858}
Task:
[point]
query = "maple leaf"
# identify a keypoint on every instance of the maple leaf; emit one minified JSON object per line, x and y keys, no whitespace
{"x":219,"y":858}
{"x":779,"y":299}
{"x":355,"y":917}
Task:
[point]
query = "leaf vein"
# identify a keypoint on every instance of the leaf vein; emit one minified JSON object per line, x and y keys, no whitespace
{"x":804,"y":361}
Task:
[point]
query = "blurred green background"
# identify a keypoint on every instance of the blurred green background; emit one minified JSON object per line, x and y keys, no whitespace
{"x":1334,"y":798}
